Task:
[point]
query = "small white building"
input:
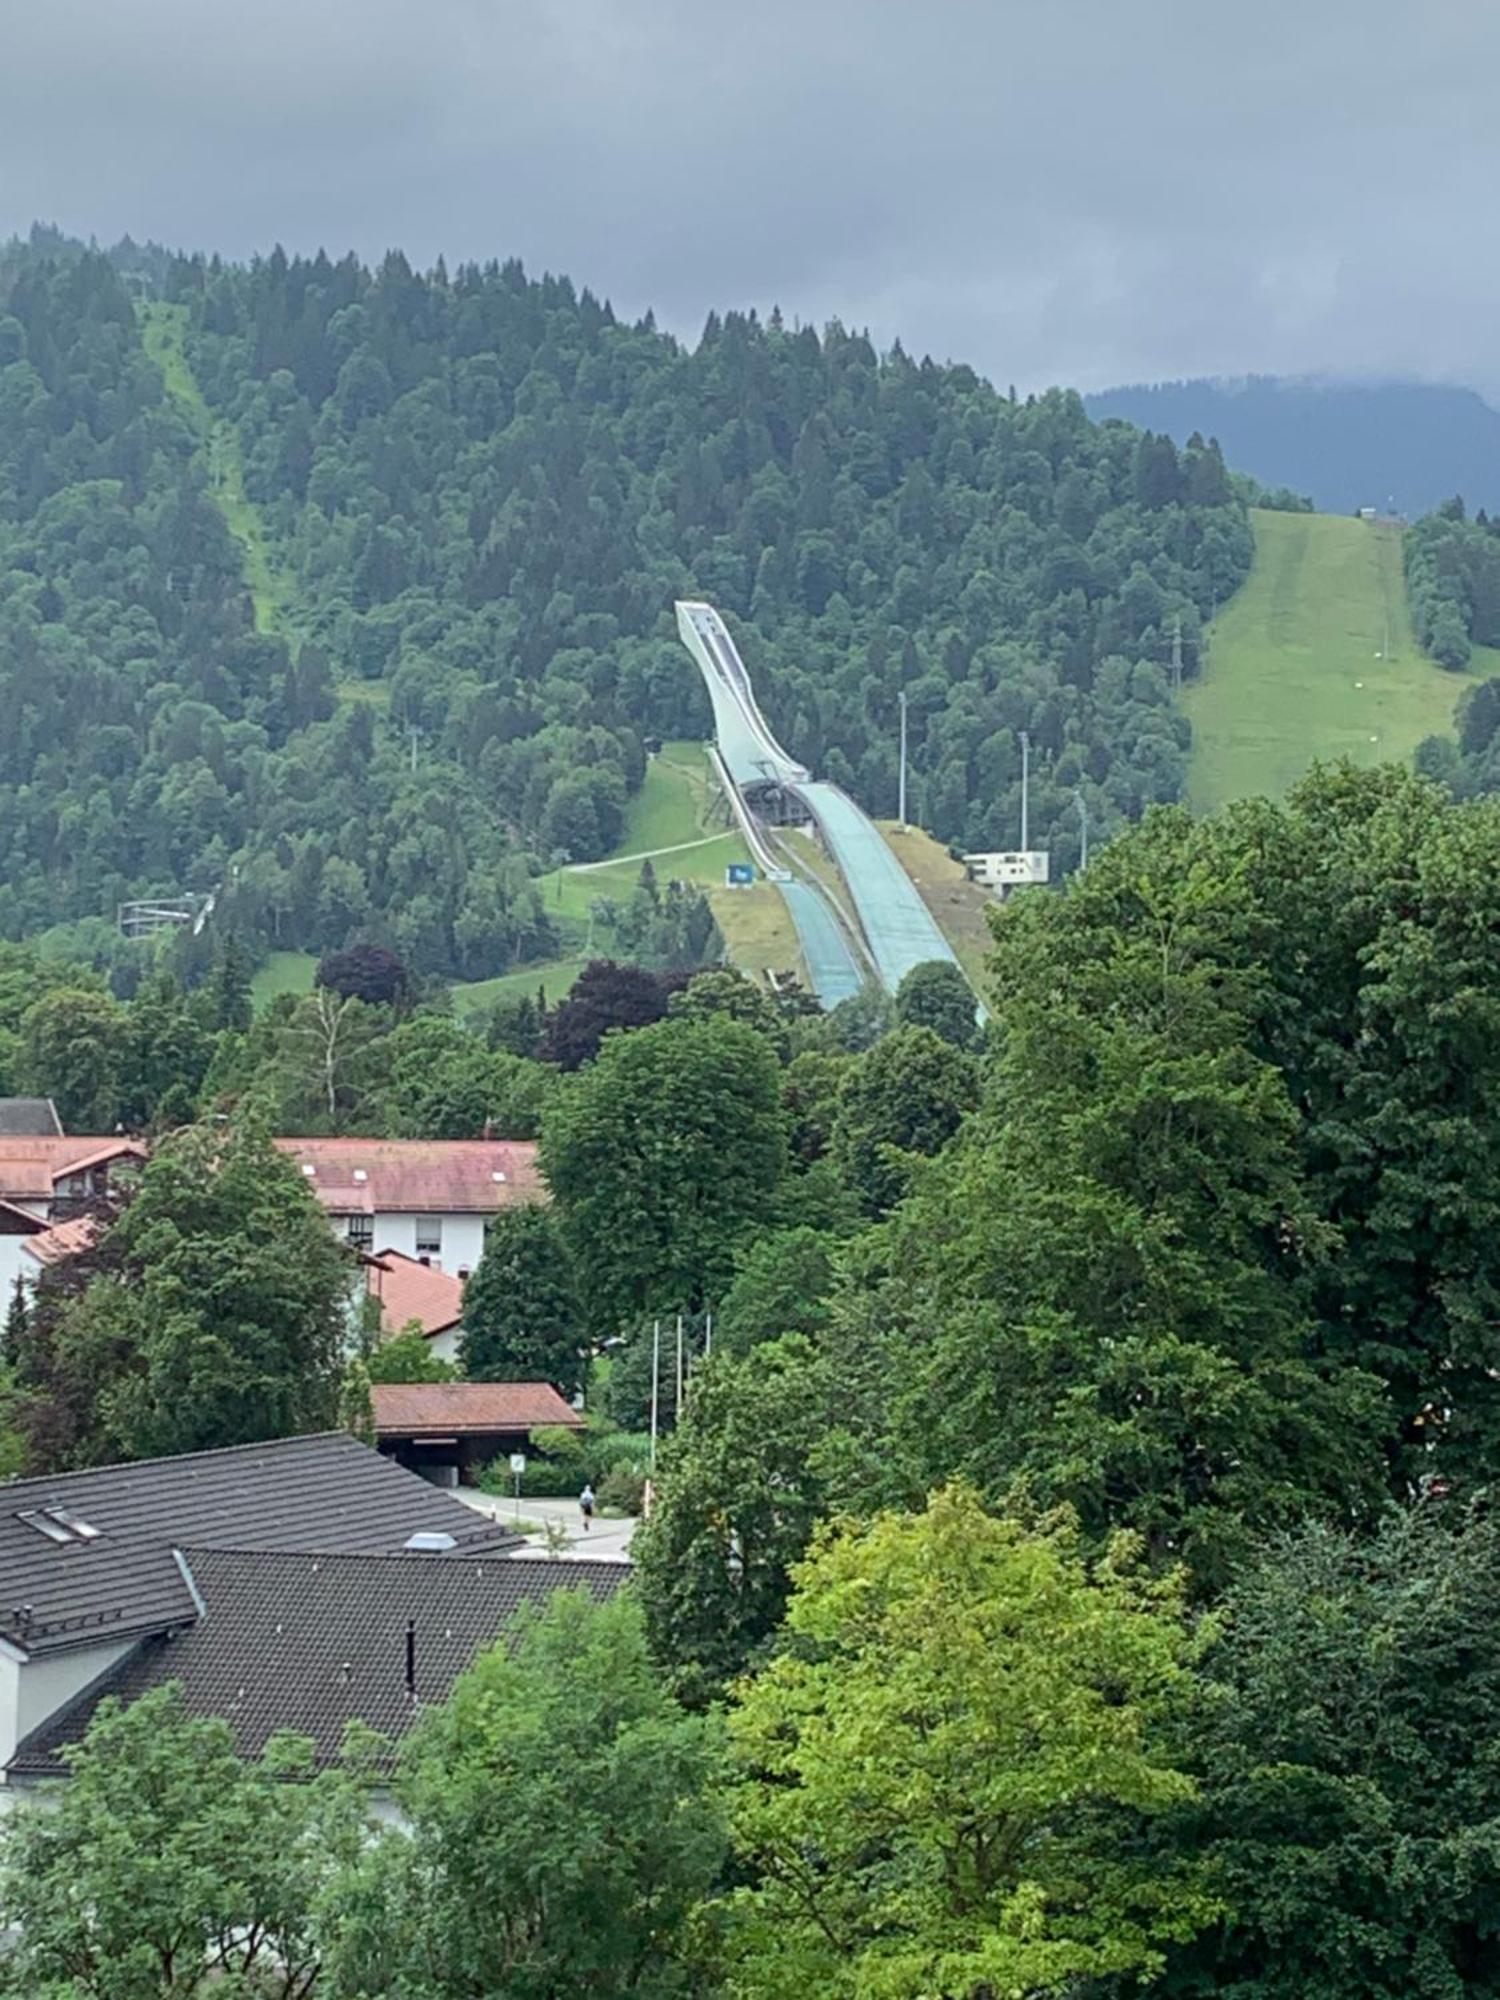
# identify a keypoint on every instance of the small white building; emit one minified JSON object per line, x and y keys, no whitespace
{"x":1008,"y":871}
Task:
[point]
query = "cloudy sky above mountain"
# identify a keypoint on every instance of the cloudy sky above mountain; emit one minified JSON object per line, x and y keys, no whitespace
{"x":1088,"y":191}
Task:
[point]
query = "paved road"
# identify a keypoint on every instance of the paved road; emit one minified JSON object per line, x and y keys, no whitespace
{"x":608,"y":1541}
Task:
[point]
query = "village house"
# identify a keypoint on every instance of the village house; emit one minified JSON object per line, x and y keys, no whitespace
{"x":411,"y":1293}
{"x":427,"y":1201}
{"x":432,"y":1200}
{"x":300,"y":1584}
{"x":49,"y":1178}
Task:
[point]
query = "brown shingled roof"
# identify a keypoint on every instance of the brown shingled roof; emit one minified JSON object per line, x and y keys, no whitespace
{"x":457,"y":1409}
{"x":409,"y":1290}
{"x":30,"y":1167}
{"x":419,"y":1176}
{"x":63,"y":1239}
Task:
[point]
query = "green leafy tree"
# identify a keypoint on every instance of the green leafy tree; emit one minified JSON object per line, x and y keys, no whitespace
{"x":661,"y":1154}
{"x":562,"y":1827}
{"x":736,"y":1502}
{"x":523,"y":1318}
{"x":168,"y":1865}
{"x":1348,"y":1809}
{"x":443,"y":1082}
{"x":1105,"y":1295}
{"x":213,"y":1311}
{"x":946,"y":1771}
{"x":408,"y":1357}
{"x":938,"y":996}
{"x":166,"y":1057}
{"x":726,"y":991}
{"x":782,"y":1285}
{"x":76,"y":1050}
{"x":901,"y":1102}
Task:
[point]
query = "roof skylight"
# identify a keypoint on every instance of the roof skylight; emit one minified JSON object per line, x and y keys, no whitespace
{"x":59,"y":1524}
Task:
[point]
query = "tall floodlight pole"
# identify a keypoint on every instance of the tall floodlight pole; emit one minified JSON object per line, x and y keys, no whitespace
{"x":901,"y":791}
{"x":677,"y":1406}
{"x":1083,"y":815}
{"x":655,"y":1377}
{"x":1025,"y":791}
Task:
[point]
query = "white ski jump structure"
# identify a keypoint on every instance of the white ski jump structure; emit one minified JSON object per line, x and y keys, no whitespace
{"x":892,"y":929}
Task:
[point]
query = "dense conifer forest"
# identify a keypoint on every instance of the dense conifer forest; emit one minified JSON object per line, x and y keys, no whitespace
{"x":347,"y":593}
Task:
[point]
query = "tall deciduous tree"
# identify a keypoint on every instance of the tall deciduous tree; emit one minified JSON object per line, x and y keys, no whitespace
{"x":661,"y":1154}
{"x":561,"y":1829}
{"x":523,"y":1319}
{"x":901,"y":1102}
{"x":213,"y":1311}
{"x":937,"y":996}
{"x":946,"y":1770}
{"x":76,"y":1045}
{"x":738,"y":1495}
{"x":1350,"y":1804}
{"x":169,"y":1865}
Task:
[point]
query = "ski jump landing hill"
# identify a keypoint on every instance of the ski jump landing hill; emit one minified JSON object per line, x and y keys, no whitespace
{"x":892,"y":929}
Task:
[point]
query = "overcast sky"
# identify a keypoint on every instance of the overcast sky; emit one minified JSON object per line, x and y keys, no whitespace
{"x":1084,"y":191}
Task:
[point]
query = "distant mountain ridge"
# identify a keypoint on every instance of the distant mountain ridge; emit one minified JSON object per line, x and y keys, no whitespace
{"x":1347,"y":444}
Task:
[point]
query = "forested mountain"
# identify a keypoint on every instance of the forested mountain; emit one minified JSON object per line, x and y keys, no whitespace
{"x":1348,"y":444}
{"x":351,"y":590}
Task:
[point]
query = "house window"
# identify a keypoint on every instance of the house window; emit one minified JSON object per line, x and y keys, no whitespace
{"x":362,"y":1231}
{"x":429,"y":1236}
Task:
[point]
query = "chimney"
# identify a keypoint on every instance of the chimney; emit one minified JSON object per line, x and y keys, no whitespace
{"x":411,"y":1659}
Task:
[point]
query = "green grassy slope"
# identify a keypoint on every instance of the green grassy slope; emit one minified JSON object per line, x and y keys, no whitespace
{"x":162,"y":329}
{"x":1296,"y":669}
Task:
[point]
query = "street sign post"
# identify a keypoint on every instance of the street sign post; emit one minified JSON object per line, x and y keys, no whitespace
{"x":518,"y":1468}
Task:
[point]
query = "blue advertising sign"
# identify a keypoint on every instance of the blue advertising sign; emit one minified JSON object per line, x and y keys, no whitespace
{"x":739,"y":875}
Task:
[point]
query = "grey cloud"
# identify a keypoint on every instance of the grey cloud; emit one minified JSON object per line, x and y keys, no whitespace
{"x":1085,"y":191}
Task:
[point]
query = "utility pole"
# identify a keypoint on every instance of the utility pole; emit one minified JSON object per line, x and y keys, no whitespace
{"x":412,"y":734}
{"x":1177,"y":655}
{"x":655,"y":1378}
{"x":901,"y":790}
{"x":677,"y":1406}
{"x":1083,"y":815}
{"x":1025,"y":791}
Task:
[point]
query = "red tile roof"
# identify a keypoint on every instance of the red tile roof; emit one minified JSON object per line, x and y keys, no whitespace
{"x":418,"y":1176}
{"x":63,"y":1239}
{"x":456,"y":1409}
{"x":29,"y":1167}
{"x":409,"y":1290}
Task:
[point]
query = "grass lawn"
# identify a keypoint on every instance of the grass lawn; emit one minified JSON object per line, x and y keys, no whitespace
{"x":1295,"y":671}
{"x":670,"y":806}
{"x":283,"y":972}
{"x":481,"y":994}
{"x":959,"y":907}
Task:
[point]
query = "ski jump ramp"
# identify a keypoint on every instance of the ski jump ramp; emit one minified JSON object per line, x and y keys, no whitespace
{"x":898,"y":928}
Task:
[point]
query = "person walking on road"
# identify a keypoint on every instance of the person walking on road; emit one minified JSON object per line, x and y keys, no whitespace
{"x":586,"y":1507}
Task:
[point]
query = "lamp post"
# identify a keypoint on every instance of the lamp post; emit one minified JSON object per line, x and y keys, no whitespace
{"x":901,"y":786}
{"x":1025,"y":791}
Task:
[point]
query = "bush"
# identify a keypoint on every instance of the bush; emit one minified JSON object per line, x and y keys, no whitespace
{"x":562,"y":1462}
{"x":622,"y":1491}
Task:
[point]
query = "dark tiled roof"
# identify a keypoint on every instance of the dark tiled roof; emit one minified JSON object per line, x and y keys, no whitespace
{"x":326,"y":1492}
{"x":458,"y":1409}
{"x":310,"y":1643}
{"x":29,"y":1118}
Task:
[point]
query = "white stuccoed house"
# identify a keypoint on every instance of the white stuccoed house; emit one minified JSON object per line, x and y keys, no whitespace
{"x":431,"y":1200}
